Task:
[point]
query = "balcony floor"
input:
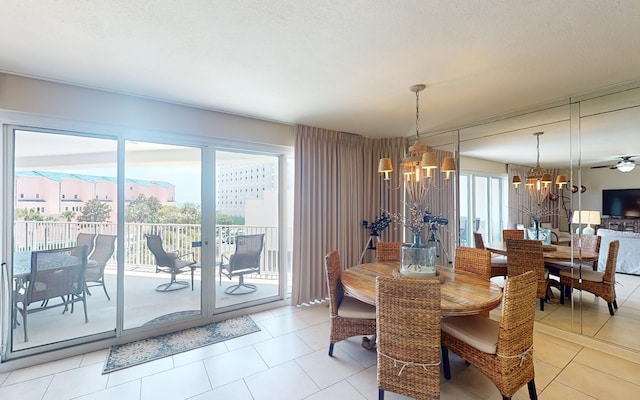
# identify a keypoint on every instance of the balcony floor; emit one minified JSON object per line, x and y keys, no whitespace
{"x":142,"y":304}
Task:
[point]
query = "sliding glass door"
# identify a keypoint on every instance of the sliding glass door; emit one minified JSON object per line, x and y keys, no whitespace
{"x":64,"y":196}
{"x":136,"y":208}
{"x":248,"y":233}
{"x":162,"y":233}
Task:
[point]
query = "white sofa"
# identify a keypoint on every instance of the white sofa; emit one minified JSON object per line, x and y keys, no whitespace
{"x":628,"y":253}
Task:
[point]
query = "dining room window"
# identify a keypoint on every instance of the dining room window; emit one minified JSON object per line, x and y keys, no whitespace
{"x":483,"y":206}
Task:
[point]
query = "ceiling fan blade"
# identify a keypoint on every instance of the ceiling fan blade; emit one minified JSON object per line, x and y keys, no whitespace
{"x":604,"y":166}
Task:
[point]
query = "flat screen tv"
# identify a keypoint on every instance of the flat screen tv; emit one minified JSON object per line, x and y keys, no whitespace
{"x":621,"y":203}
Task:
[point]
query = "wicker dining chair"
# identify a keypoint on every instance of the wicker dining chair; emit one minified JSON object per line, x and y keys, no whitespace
{"x":347,"y":316}
{"x":498,"y":262}
{"x":527,"y":255}
{"x":585,"y":242}
{"x":388,"y":251}
{"x":503,"y":350}
{"x":408,"y":334}
{"x":601,"y":284}
{"x":473,"y":261}
{"x":512,"y":234}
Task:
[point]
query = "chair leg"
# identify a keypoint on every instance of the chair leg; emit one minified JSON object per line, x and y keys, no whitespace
{"x":541,"y":304}
{"x":330,"y":349}
{"x":615,"y":304}
{"x":104,"y":287}
{"x":380,"y":394}
{"x":562,"y":294}
{"x":610,"y":305}
{"x":445,"y":362}
{"x":24,"y":323}
{"x":533,"y":395}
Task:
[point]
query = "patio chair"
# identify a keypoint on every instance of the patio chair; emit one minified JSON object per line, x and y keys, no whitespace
{"x":347,"y":316}
{"x":502,"y":350}
{"x":54,"y":274}
{"x":172,"y":263}
{"x":245,"y":260}
{"x":84,"y":239}
{"x":408,"y":334}
{"x":105,"y":246}
{"x":601,"y":284}
{"x":388,"y":251}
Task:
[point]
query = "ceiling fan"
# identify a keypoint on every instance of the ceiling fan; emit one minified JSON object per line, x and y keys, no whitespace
{"x":626,"y":164}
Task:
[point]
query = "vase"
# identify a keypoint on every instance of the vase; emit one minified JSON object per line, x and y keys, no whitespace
{"x":536,"y":232}
{"x":418,"y":259}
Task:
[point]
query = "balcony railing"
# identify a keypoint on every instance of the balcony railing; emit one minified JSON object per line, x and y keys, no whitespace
{"x":183,"y":238}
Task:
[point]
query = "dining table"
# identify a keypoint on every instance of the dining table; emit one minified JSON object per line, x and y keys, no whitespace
{"x":22,"y":262}
{"x":552,"y":253}
{"x":460,"y":294}
{"x":556,"y":259}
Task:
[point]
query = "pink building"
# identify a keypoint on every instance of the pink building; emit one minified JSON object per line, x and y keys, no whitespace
{"x":52,"y":193}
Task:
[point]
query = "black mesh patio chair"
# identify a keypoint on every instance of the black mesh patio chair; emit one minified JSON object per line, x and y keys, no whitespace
{"x":245,"y":260}
{"x":172,"y":263}
{"x":54,"y":274}
{"x":104,"y":248}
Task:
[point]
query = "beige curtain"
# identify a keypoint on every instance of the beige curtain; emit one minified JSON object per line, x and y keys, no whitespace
{"x":337,"y":186}
{"x":520,"y":199}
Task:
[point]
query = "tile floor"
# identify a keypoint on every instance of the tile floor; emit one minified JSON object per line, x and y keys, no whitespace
{"x":288,"y":359}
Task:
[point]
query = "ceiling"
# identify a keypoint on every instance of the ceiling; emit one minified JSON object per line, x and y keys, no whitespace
{"x":342,"y":65}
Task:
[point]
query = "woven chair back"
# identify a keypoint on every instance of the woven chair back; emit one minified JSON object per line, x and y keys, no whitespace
{"x":478,"y":240}
{"x":515,"y":334}
{"x":333,"y":270}
{"x":512,"y":234}
{"x":473,"y":261}
{"x":408,"y":336}
{"x":610,"y":267}
{"x":525,"y":255}
{"x":388,"y":251}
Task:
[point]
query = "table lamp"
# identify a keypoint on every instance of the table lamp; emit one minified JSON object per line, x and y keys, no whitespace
{"x":586,"y":217}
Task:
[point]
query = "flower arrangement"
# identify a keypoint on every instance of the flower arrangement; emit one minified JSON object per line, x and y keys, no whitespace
{"x":537,"y":213}
{"x":419,"y":221}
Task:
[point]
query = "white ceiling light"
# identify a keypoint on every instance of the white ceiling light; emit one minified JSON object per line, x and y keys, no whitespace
{"x":625,"y":166}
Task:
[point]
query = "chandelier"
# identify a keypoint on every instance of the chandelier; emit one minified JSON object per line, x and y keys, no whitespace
{"x":539,"y":181}
{"x":418,"y":164}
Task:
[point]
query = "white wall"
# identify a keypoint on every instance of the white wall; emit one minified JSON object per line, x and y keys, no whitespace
{"x":51,"y":99}
{"x":478,"y":165}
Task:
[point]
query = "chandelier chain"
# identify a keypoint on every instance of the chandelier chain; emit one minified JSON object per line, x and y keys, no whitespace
{"x":417,"y":112}
{"x":538,"y":148}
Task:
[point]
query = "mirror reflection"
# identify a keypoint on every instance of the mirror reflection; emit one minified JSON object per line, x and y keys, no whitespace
{"x":591,"y":141}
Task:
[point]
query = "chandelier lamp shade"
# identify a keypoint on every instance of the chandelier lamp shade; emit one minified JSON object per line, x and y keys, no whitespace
{"x":419,"y":163}
{"x":539,"y":181}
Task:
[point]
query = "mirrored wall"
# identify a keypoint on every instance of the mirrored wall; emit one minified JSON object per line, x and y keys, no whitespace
{"x":584,"y":138}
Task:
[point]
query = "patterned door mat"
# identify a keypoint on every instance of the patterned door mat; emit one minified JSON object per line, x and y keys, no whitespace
{"x":141,"y":351}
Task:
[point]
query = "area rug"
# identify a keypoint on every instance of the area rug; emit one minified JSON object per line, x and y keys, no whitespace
{"x":141,"y":351}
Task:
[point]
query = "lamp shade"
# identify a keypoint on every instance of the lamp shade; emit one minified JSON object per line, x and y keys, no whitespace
{"x":561,"y":180}
{"x":516,"y":180}
{"x":429,"y":160}
{"x":385,"y":165}
{"x":448,"y":164}
{"x":586,"y":218}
